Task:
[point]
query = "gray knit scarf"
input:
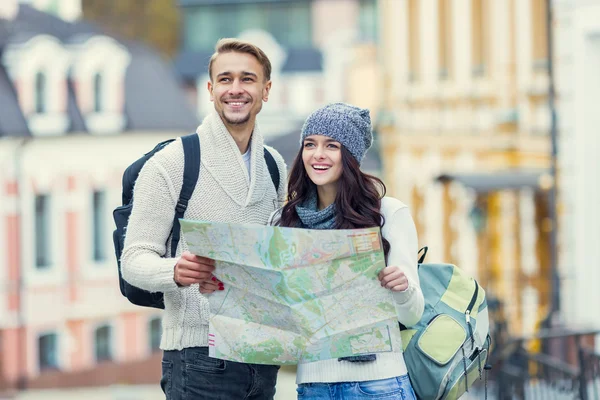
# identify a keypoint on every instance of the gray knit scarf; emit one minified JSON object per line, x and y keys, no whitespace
{"x":313,"y":218}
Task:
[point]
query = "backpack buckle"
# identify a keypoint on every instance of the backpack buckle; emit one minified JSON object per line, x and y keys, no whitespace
{"x":181,"y":207}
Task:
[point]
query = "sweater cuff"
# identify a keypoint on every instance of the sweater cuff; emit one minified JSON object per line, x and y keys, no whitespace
{"x":169,"y":275}
{"x":403,"y":296}
{"x":160,"y":277}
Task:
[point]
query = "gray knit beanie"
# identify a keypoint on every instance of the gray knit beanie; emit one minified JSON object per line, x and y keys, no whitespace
{"x":347,"y":124}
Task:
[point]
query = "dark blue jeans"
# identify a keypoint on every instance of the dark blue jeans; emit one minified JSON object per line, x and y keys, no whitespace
{"x":190,"y":374}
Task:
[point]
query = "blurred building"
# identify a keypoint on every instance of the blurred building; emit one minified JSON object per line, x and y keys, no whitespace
{"x":465,"y":139}
{"x":76,"y":107}
{"x":68,"y":10}
{"x":153,"y":22}
{"x":577,"y":38}
{"x":321,"y":51}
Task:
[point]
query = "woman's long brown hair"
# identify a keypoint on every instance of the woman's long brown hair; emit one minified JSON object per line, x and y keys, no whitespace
{"x":358,"y":199}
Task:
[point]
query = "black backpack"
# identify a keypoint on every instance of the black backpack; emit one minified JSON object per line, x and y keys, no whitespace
{"x":191,"y":149}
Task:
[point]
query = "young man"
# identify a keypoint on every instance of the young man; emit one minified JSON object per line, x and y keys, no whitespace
{"x":234,"y":186}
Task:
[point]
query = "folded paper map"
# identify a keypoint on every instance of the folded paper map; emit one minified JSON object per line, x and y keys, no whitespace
{"x":295,"y":295}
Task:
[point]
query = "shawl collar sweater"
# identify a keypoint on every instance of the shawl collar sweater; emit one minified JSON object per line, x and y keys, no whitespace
{"x":224,"y":193}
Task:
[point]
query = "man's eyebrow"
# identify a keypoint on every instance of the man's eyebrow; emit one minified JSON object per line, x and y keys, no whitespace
{"x":244,"y":73}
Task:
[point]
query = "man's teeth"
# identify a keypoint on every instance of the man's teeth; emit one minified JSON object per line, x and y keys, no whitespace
{"x":236,"y":104}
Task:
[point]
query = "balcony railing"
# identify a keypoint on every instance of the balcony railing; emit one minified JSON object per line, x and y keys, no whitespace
{"x":553,"y":364}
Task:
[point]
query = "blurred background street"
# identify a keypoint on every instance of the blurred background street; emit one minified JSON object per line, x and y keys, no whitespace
{"x":485,"y":124}
{"x":286,"y":389}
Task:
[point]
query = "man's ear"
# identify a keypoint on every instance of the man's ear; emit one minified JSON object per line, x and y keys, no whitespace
{"x":209,"y":86}
{"x":266,"y":91}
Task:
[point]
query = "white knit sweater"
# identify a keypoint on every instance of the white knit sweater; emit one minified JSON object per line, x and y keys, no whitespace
{"x":224,"y":193}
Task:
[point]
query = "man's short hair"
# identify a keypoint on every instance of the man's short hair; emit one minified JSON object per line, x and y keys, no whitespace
{"x":239,"y":46}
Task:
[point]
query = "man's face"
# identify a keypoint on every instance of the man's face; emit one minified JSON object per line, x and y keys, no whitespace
{"x":238,"y":88}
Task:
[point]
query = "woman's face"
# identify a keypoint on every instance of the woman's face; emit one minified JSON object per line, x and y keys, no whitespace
{"x":322,"y":157}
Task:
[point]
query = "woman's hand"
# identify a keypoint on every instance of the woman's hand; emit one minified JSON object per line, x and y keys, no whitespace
{"x":209,"y":286}
{"x":393,"y":278}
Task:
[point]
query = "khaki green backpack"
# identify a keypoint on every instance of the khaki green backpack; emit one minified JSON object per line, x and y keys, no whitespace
{"x":447,"y":350}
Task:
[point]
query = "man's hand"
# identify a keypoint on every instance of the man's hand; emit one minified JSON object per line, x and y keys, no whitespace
{"x":393,"y":278}
{"x":207,"y":287}
{"x":192,"y":269}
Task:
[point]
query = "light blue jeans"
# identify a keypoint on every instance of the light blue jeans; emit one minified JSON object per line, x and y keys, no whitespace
{"x":391,"y":389}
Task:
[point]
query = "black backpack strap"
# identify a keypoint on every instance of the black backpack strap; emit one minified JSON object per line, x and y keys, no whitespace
{"x":132,"y":172}
{"x":422,"y":256}
{"x":191,"y":151}
{"x":273,"y":169}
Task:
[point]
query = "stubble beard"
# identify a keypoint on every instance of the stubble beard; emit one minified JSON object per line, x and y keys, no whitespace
{"x":230,"y":121}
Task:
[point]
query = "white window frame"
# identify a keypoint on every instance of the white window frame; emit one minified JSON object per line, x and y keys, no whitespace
{"x":23,"y":61}
{"x":44,"y":92}
{"x":99,"y":98}
{"x":49,"y":219}
{"x":51,"y":274}
{"x":107,"y":57}
{"x":93,"y":269}
{"x":112,"y":345}
{"x":58,"y":349}
{"x":33,"y":334}
{"x":104,"y":226}
{"x":149,"y":320}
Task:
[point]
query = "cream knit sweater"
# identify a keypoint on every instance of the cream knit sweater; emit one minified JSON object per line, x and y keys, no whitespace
{"x":224,"y":193}
{"x":399,"y":229}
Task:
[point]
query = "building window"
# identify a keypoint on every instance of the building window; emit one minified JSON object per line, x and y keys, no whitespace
{"x":42,"y":231}
{"x":289,"y":22}
{"x":48,"y":351}
{"x":103,"y":343}
{"x":98,"y":92}
{"x":413,"y":40}
{"x":368,"y":21}
{"x":540,"y":35}
{"x":40,"y":92}
{"x":98,"y":225}
{"x":444,"y":38}
{"x":479,"y":37}
{"x":155,"y":332}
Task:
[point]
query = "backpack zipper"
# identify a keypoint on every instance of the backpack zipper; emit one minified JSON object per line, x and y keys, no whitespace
{"x":472,"y":302}
{"x":468,"y":312}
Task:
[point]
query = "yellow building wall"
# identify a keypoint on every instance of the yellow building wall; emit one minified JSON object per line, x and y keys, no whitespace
{"x":470,"y":123}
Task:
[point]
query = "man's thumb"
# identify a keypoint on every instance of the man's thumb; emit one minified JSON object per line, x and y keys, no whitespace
{"x":188,"y":256}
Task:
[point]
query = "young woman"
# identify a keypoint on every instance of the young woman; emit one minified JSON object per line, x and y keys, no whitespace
{"x":327,"y":190}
